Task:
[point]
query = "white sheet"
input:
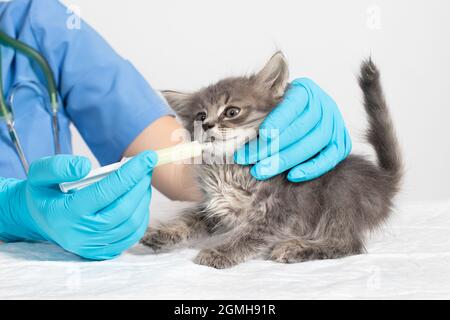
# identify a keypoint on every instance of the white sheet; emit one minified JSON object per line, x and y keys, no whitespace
{"x":409,"y":259}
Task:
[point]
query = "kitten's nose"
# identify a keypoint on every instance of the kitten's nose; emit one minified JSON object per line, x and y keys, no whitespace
{"x":207,"y":125}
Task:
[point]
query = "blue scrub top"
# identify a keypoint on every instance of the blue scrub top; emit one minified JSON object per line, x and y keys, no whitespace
{"x":106,"y":98}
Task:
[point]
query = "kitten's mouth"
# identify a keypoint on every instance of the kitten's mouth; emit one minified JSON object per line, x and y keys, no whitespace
{"x":226,"y":147}
{"x":217,"y":139}
{"x":236,"y":135}
{"x":228,"y":140}
{"x":223,"y":144}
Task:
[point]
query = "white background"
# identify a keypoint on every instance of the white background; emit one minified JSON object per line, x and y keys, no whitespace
{"x":187,"y":44}
{"x":180,"y":44}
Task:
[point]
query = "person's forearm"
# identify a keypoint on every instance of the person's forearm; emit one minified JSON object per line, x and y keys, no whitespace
{"x":175,"y":181}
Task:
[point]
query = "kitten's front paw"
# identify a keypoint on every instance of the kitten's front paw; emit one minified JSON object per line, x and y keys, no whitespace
{"x":291,"y":251}
{"x":160,"y":238}
{"x":215,"y":259}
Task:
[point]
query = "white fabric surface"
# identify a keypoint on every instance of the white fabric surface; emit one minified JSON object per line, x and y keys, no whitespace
{"x":410,"y":259}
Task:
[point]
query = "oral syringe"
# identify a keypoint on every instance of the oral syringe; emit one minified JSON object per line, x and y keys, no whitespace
{"x":169,"y":155}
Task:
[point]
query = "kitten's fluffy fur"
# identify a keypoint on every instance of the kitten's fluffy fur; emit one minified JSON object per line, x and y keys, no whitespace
{"x":282,"y":221}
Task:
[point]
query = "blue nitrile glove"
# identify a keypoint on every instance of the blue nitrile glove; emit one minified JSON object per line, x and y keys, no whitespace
{"x":304,"y":134}
{"x":98,"y":222}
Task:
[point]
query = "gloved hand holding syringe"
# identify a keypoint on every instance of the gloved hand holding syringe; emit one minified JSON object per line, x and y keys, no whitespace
{"x":173,"y":154}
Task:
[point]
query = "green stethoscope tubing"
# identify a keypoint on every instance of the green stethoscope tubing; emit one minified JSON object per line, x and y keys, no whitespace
{"x":5,"y":110}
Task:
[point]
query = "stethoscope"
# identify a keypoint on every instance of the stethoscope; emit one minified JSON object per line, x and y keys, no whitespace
{"x":7,"y":107}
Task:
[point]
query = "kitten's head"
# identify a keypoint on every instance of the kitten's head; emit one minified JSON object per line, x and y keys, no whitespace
{"x":233,"y":108}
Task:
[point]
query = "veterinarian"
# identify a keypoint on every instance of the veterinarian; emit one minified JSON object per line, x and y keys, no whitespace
{"x":118,"y":114}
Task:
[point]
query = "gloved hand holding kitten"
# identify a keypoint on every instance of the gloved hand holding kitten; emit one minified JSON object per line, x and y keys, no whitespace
{"x":308,"y":131}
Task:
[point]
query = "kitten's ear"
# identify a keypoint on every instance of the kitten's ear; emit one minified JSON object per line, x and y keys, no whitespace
{"x":178,"y":101}
{"x":275,"y":74}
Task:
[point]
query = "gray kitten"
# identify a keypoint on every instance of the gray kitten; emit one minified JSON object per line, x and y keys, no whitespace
{"x":279,"y":220}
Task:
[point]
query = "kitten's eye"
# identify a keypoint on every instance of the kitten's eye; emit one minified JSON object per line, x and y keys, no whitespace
{"x":201,"y":116}
{"x":231,"y":112}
